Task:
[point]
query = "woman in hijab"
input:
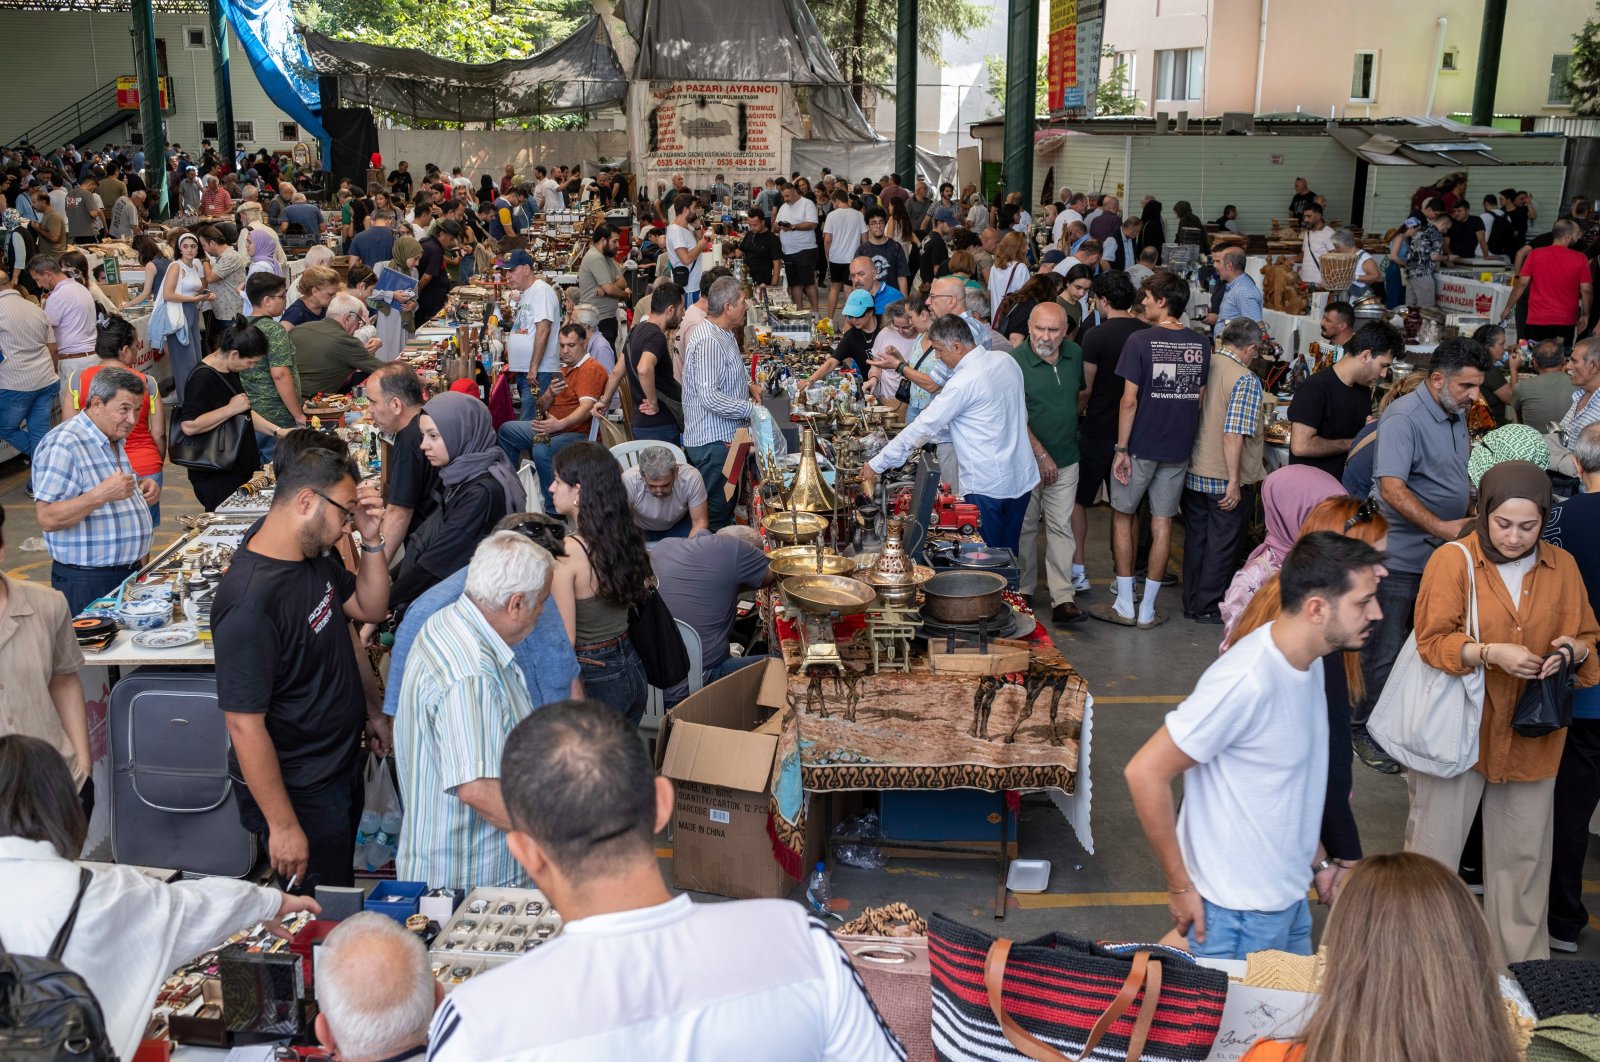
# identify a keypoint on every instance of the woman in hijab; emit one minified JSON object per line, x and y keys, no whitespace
{"x":1287,"y":496}
{"x":264,"y":251}
{"x":477,"y":487}
{"x":486,"y":191}
{"x":1532,"y":609}
{"x":395,"y":306}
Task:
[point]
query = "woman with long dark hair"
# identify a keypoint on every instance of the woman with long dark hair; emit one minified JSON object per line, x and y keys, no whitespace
{"x":1014,"y":310}
{"x":486,"y":189}
{"x":215,"y":395}
{"x":605,"y":573}
{"x":1152,"y":233}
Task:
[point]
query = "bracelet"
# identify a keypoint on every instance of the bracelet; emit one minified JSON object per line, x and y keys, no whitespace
{"x":1483,"y":655}
{"x":1120,"y":449}
{"x":373,"y":547}
{"x":1179,"y":892}
{"x":1318,"y":868}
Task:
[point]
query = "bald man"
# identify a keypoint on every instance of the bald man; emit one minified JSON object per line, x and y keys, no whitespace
{"x":864,"y":277}
{"x":1052,"y":377}
{"x":375,"y":991}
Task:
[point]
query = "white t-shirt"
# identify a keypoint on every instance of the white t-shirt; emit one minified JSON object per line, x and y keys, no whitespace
{"x":1063,"y":219}
{"x":677,"y":982}
{"x":800,"y":212}
{"x":846,"y":225}
{"x":681,"y":236}
{"x":539,"y":303}
{"x":1252,"y":808}
{"x":550,"y":197}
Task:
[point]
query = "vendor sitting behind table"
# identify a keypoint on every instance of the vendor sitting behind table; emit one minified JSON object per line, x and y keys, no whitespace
{"x":855,"y":345}
{"x":668,"y":498}
{"x":331,"y":359}
{"x":563,"y":410}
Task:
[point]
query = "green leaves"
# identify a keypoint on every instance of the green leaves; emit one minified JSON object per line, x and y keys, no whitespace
{"x":1583,"y":73}
{"x":469,"y":31}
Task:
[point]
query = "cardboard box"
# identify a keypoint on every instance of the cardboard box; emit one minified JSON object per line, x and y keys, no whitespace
{"x":733,"y":465}
{"x":719,"y":747}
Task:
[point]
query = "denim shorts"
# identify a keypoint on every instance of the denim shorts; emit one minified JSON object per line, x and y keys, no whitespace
{"x":614,"y":676}
{"x":1235,"y":934}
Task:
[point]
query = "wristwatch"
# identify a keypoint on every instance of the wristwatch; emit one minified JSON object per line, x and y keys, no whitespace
{"x":373,"y":547}
{"x":1318,"y":868}
{"x":1120,"y":449}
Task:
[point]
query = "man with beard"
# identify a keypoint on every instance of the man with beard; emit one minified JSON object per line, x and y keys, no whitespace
{"x":286,"y":666}
{"x":1420,"y":482}
{"x":1251,"y":742}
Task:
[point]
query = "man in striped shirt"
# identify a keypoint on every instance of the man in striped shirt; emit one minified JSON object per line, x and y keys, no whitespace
{"x":461,"y":694}
{"x":718,"y":397}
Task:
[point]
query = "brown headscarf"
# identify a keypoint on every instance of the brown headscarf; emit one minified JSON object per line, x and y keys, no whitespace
{"x":1502,"y":483}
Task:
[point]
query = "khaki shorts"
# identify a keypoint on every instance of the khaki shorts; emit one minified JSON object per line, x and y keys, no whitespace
{"x":1161,"y":480}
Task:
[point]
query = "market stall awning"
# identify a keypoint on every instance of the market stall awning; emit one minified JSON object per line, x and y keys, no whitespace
{"x":580,"y":73}
{"x":1416,"y":146}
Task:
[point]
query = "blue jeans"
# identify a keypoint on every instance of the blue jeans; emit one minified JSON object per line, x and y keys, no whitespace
{"x":732,"y":664}
{"x":155,"y":510}
{"x":614,"y":676}
{"x":677,"y":530}
{"x":709,"y":460}
{"x":525,"y":393}
{"x":1235,"y":934}
{"x":665,"y":433}
{"x":690,"y":298}
{"x":26,"y":407}
{"x":517,"y":436}
{"x":82,"y":585}
{"x":1000,"y":520}
{"x":266,"y":445}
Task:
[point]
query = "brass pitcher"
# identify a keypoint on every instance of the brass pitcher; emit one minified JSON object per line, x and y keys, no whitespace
{"x":810,"y":493}
{"x":894,"y":576}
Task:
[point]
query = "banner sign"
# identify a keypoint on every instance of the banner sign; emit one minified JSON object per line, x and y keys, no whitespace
{"x":710,"y":127}
{"x":1061,"y":75}
{"x":128,"y":94}
{"x":1090,"y":33}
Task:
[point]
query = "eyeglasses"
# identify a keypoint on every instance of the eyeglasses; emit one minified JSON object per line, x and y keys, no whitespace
{"x":349,"y":514}
{"x":1368,"y":510}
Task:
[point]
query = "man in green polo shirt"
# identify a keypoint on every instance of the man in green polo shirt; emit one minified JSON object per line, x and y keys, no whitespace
{"x":1052,"y":377}
{"x":274,"y":384}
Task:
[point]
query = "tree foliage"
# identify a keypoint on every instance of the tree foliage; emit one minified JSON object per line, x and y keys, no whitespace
{"x":1583,"y":74}
{"x":468,"y":31}
{"x":1112,"y":96}
{"x":995,"y":67}
{"x":861,"y":34}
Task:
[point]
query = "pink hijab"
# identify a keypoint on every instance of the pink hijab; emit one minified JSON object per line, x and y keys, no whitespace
{"x":1288,"y":496}
{"x":263,"y":248}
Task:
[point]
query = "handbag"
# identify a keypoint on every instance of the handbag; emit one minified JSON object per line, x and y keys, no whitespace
{"x":1427,"y":719}
{"x":1060,"y":999}
{"x":655,"y":638}
{"x":214,"y":451}
{"x":895,"y":973}
{"x":1546,"y":704}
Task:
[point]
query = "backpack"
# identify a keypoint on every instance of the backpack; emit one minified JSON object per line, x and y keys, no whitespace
{"x":47,"y":1013}
{"x":1502,"y":236}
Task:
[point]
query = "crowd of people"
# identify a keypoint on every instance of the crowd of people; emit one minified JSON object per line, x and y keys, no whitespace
{"x":1044,"y":364}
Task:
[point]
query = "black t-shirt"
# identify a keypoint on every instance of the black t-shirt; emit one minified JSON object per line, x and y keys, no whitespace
{"x":284,"y":651}
{"x":299,"y":313}
{"x":853,"y":349}
{"x":1016,"y":320}
{"x":207,"y":390}
{"x":400,"y":183}
{"x":412,"y":478}
{"x":935,"y":257}
{"x":760,"y":251}
{"x":432,"y":298}
{"x":644,"y":336}
{"x":1463,"y":236}
{"x":1334,"y":410}
{"x":1102,"y":346}
{"x":463,"y":517}
{"x":1301,"y":200}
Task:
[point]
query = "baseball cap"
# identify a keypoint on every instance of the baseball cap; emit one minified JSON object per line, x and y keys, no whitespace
{"x":945,"y":214}
{"x":464,"y":387}
{"x":859,"y":304}
{"x":519,"y":258}
{"x":451,"y":226}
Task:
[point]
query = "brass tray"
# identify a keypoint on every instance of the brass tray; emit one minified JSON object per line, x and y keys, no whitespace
{"x":822,"y":594}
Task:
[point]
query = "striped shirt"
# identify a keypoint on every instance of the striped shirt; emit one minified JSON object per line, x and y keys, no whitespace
{"x":72,"y":459}
{"x":461,"y":694}
{"x":24,"y":339}
{"x":1579,"y":416}
{"x":1243,"y":418}
{"x":716,"y":391}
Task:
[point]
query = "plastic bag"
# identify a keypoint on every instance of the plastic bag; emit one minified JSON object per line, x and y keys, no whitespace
{"x":378,"y":835}
{"x":866,"y":856}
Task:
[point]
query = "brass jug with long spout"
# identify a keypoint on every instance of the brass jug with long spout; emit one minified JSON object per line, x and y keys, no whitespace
{"x":810,"y":492}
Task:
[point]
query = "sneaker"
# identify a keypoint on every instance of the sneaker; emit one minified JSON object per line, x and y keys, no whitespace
{"x":1080,"y":583}
{"x":1374,"y":757}
{"x":1568,"y":946}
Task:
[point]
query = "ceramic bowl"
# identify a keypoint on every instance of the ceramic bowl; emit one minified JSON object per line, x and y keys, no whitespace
{"x":145,"y":615}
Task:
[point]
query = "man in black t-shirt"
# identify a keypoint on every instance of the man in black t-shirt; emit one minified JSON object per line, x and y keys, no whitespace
{"x":761,"y":251}
{"x":1466,"y":238}
{"x":1334,"y":404}
{"x":658,"y":399}
{"x":935,"y":257}
{"x":400,"y":181}
{"x":287,"y":675}
{"x":1303,"y":197}
{"x":396,"y":396}
{"x":855,"y":344}
{"x":433,"y":278}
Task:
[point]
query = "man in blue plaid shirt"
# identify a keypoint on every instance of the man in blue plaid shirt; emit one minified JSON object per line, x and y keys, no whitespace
{"x":1219,"y":489}
{"x":93,"y":510}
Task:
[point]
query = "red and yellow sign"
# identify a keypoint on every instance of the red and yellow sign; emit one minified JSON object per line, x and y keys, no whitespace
{"x":1061,"y":75}
{"x":128,"y":94}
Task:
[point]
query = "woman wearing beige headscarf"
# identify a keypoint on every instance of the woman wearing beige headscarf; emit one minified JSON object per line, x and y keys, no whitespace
{"x":395,"y":306}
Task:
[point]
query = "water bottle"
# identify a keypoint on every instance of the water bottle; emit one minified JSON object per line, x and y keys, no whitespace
{"x":818,"y":895}
{"x":376,"y":854}
{"x":389,"y":829}
{"x":367,"y":828}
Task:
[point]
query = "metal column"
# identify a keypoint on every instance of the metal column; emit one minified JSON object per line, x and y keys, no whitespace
{"x":905,"y":94}
{"x":155,"y":139}
{"x":1022,"y":67}
{"x":1494,"y":25}
{"x":217,"y":12}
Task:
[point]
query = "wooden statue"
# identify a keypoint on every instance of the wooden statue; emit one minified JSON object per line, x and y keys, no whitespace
{"x":1280,"y":287}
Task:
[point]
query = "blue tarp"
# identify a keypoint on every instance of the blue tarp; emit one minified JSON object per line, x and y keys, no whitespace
{"x":278,"y":56}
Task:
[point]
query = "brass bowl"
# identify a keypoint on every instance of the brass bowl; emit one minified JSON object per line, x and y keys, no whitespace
{"x":822,"y":594}
{"x":792,"y":528}
{"x":806,"y":564}
{"x":785,"y":552}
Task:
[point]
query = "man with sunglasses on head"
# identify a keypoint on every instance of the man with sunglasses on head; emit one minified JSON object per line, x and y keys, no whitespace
{"x":287,"y":674}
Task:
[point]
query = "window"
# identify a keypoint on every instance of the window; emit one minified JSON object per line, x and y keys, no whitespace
{"x":1364,"y":78}
{"x":1128,"y":61}
{"x":209,"y":131}
{"x":1449,"y":59}
{"x":1180,"y":74}
{"x":1560,"y":66}
{"x":194,"y":38}
{"x":244,"y":132}
{"x":289,"y":131}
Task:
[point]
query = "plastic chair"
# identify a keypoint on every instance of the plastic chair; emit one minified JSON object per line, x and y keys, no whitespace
{"x":627,"y":454}
{"x":655,"y":701}
{"x":528,"y":474}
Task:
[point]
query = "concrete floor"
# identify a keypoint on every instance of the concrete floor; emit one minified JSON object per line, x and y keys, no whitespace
{"x":1136,"y":677}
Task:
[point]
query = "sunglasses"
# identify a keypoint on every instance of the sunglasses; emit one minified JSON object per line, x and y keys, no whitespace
{"x":349,"y":514}
{"x":1368,"y":510}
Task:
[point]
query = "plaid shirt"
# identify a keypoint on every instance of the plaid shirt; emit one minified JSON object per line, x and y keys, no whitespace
{"x":1579,"y":416}
{"x":1243,"y":418}
{"x":716,"y":389}
{"x":73,"y":459}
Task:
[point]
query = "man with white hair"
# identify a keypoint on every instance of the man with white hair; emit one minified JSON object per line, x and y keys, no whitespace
{"x":667,"y":497}
{"x":375,"y":991}
{"x":461,"y":694}
{"x":331,"y":359}
{"x":718,"y":397}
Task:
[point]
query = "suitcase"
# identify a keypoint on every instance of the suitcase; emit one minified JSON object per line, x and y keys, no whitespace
{"x":172,"y":802}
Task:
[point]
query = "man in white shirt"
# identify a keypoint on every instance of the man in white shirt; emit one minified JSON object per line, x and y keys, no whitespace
{"x":678,"y":980}
{"x":984,"y":407}
{"x":797,"y":225}
{"x":841,"y":235}
{"x":1074,"y":212}
{"x":683,"y":246}
{"x":1316,"y":242}
{"x":539,"y":316}
{"x":546,"y":191}
{"x":1251,"y":742}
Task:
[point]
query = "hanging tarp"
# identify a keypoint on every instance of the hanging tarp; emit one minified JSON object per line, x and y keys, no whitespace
{"x":266,"y":28}
{"x":580,"y":73}
{"x":856,"y":160}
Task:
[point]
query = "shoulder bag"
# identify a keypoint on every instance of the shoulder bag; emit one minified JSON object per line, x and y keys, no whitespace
{"x":214,"y":451}
{"x":655,"y":638}
{"x":1425,"y":718}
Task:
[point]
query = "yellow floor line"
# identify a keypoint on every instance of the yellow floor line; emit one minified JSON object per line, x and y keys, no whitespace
{"x":1042,"y":901}
{"x":1173,"y":698}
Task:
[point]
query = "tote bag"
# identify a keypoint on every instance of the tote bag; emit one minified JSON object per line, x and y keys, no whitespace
{"x":656,"y":639}
{"x":1427,"y":719}
{"x":214,"y":451}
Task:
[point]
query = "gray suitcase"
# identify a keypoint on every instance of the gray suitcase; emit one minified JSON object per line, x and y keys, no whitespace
{"x":172,"y":802}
